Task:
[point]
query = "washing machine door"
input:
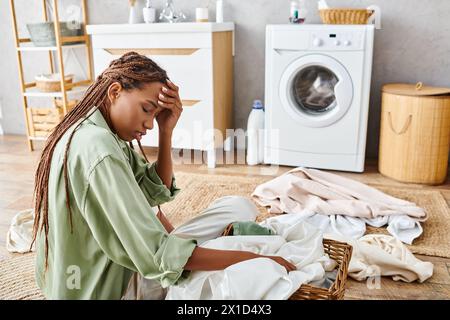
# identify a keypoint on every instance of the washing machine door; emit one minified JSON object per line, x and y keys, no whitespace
{"x":316,"y":90}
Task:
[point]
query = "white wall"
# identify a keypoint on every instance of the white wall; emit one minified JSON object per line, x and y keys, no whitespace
{"x":413,"y":46}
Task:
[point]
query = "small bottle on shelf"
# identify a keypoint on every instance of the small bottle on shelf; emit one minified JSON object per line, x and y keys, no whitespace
{"x":149,"y":13}
{"x":297,"y":11}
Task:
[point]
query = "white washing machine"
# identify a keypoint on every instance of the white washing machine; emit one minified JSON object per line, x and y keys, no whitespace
{"x":317,"y":95}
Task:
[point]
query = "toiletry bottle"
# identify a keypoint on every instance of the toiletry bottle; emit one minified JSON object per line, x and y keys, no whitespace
{"x":255,"y":134}
{"x":219,"y":11}
{"x":297,"y":11}
{"x":132,"y":16}
{"x":149,"y":13}
{"x":201,"y":14}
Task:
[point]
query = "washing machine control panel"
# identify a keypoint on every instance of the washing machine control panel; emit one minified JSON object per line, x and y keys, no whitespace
{"x":340,"y":40}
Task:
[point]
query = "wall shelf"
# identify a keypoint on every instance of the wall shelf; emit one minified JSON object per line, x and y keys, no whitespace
{"x":40,"y":121}
{"x":34,"y":48}
{"x":34,"y":92}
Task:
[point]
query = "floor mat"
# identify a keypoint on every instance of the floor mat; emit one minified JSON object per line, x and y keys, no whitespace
{"x":17,"y":280}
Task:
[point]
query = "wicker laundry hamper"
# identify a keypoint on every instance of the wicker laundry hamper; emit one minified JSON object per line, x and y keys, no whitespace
{"x":345,"y":16}
{"x":414,"y":133}
{"x":338,"y":251}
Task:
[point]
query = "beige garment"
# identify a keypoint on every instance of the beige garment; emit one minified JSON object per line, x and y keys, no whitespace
{"x":382,"y":255}
{"x":20,"y":233}
{"x":303,"y":190}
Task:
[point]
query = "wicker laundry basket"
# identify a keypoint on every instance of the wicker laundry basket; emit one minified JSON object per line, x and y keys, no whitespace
{"x":345,"y":16}
{"x":51,"y":82}
{"x":414,"y":133}
{"x":338,"y":251}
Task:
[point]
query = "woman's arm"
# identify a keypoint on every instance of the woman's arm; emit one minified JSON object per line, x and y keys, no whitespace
{"x":164,"y":161}
{"x":167,"y":119}
{"x":205,"y":259}
{"x":164,"y":221}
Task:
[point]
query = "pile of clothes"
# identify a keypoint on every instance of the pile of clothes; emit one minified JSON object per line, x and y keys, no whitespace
{"x":314,"y":204}
{"x":340,"y":205}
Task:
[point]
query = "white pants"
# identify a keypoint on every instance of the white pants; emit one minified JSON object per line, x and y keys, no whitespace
{"x":209,"y":224}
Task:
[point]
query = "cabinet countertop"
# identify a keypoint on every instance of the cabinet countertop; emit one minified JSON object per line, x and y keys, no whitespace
{"x":159,"y":27}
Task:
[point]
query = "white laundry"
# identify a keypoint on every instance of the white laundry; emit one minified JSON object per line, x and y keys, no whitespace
{"x":346,"y":225}
{"x":348,"y":204}
{"x":377,"y":222}
{"x":261,"y":278}
{"x":382,"y":255}
{"x":372,"y":255}
{"x":20,"y":233}
{"x":404,"y":228}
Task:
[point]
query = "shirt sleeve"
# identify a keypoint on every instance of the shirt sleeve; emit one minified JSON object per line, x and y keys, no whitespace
{"x":120,"y":220}
{"x":154,"y":189}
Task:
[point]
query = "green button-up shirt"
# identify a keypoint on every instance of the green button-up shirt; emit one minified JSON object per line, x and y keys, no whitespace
{"x":115,"y":231}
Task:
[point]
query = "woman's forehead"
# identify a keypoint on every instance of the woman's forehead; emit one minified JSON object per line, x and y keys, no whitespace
{"x":150,"y":90}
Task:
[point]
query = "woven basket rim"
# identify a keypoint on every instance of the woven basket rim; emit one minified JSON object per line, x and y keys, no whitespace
{"x":41,"y":77}
{"x":348,"y":9}
{"x":337,"y":289}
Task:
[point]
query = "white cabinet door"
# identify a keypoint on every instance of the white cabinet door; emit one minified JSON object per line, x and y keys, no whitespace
{"x":192,"y":71}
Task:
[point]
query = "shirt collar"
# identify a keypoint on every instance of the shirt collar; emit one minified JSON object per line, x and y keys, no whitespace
{"x":96,"y":117}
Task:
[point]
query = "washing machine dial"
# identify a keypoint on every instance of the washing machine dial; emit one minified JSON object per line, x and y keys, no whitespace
{"x":337,"y":43}
{"x":317,"y":42}
{"x":347,"y":43}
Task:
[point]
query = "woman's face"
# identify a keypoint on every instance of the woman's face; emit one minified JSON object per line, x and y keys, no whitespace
{"x":132,"y":112}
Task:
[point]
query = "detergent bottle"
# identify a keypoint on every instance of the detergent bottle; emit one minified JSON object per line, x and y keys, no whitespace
{"x":255,"y":134}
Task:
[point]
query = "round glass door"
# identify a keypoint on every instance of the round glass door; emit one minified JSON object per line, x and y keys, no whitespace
{"x":313,"y":89}
{"x":316,"y":90}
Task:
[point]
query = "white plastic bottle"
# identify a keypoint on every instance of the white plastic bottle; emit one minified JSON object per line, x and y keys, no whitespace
{"x":219,"y":11}
{"x":133,"y":14}
{"x":149,"y":13}
{"x":255,"y":134}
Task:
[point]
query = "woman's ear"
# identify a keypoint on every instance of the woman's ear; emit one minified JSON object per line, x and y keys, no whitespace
{"x":114,"y":90}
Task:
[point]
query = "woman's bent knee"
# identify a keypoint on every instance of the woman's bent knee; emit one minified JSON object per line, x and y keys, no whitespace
{"x":242,"y":206}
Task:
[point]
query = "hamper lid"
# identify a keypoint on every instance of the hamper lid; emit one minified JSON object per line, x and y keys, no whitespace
{"x":418,"y":89}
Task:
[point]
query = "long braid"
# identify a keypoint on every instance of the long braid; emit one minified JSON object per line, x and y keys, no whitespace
{"x":132,"y":71}
{"x":142,"y":151}
{"x":140,"y":148}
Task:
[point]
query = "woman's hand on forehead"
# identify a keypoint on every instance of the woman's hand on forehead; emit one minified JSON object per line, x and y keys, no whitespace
{"x":169,"y":96}
{"x":169,"y":99}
